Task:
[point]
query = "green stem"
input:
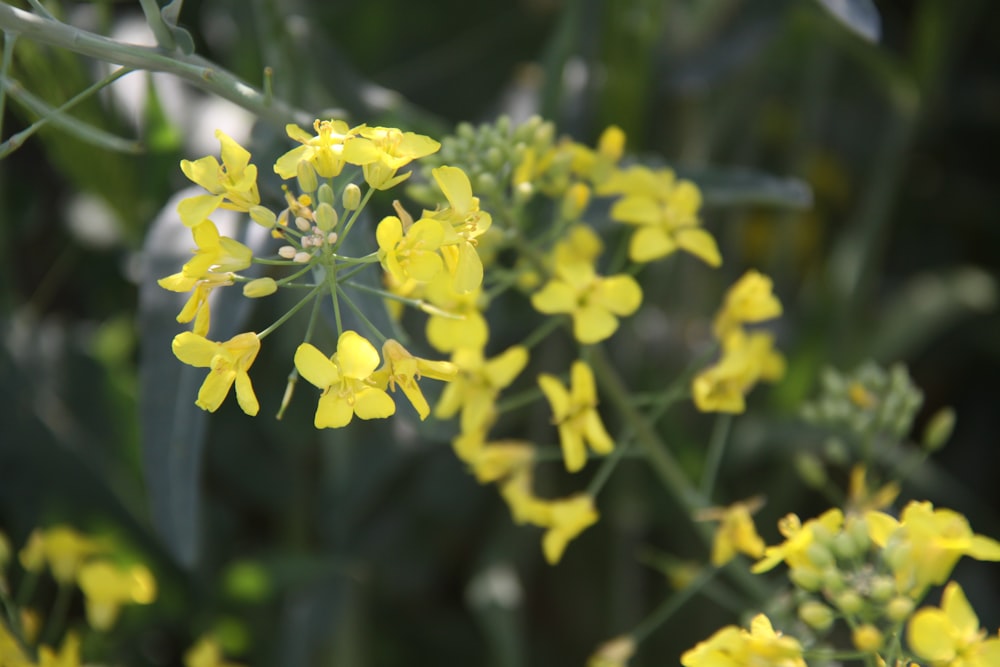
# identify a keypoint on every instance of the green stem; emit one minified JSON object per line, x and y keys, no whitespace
{"x":671,"y":605}
{"x":331,"y":280}
{"x":713,"y":459}
{"x":294,"y":309}
{"x":192,"y":68}
{"x":57,"y":618}
{"x":361,"y":316}
{"x":354,"y":218}
{"x":548,"y":325}
{"x":608,"y":466}
{"x":154,"y":20}
{"x":9,"y":39}
{"x":293,"y":377}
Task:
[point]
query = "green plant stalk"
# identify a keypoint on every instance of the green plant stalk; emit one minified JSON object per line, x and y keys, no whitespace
{"x":9,"y":39}
{"x":293,"y":377}
{"x":294,"y":309}
{"x":361,"y":316}
{"x":716,"y":449}
{"x":671,"y":605}
{"x":191,"y":68}
{"x":161,"y":31}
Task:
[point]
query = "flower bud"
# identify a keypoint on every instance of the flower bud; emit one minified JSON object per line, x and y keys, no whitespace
{"x":811,"y":470}
{"x":286,"y":252}
{"x":260,"y":287}
{"x":325,"y":194}
{"x":939,"y":429}
{"x":326,"y":217}
{"x":816,"y":615}
{"x":883,"y":588}
{"x":806,"y":578}
{"x":303,"y":224}
{"x":849,"y":602}
{"x":575,"y":201}
{"x":263,"y":216}
{"x":306,"y":175}
{"x":867,"y":638}
{"x":899,"y":607}
{"x":352,"y":197}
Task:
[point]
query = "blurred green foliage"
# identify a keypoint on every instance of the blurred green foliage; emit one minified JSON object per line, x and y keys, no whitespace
{"x":372,"y":546}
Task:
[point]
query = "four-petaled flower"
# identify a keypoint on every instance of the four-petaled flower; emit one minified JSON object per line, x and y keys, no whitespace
{"x":393,"y":149}
{"x":463,"y":222}
{"x":402,"y":369}
{"x":334,"y":145}
{"x":228,"y":363}
{"x":735,"y":647}
{"x":347,"y":381}
{"x":950,"y":636}
{"x":232,"y":184}
{"x":410,"y":253}
{"x":574,"y":411}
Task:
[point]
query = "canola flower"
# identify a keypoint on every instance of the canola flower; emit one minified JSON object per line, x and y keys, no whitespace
{"x":732,"y":646}
{"x":950,"y":636}
{"x":574,"y":412}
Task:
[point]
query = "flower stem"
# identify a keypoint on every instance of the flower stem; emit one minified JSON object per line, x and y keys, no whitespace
{"x":671,"y":605}
{"x":716,"y":448}
{"x":294,"y":309}
{"x":361,"y":316}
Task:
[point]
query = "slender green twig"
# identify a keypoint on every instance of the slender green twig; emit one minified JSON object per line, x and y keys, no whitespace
{"x":361,"y":316}
{"x":294,"y":309}
{"x":354,"y":218}
{"x":293,"y":377}
{"x":671,"y":605}
{"x":161,"y":31}
{"x":191,"y":68}
{"x":9,"y":39}
{"x":713,"y":458}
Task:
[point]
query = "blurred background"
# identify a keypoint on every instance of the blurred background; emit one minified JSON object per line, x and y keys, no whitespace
{"x":372,"y":545}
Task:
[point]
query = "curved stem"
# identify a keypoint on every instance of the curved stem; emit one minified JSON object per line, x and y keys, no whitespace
{"x":294,"y":309}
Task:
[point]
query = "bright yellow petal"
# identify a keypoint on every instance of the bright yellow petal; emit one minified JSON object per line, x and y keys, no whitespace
{"x":501,"y":370}
{"x":699,"y":243}
{"x":469,"y":270}
{"x":388,"y":233}
{"x":216,"y":386}
{"x":455,"y":186}
{"x":193,"y":210}
{"x":194,"y":350}
{"x":372,"y":403}
{"x":956,"y":606}
{"x":245,"y":395}
{"x":556,"y":394}
{"x":315,"y":367}
{"x":555,"y":297}
{"x":287,"y":166}
{"x":595,"y":433}
{"x":984,"y":548}
{"x":929,"y":634}
{"x":650,"y":243}
{"x":333,"y":411}
{"x":357,"y":357}
{"x":593,"y":324}
{"x":636,"y":210}
{"x":880,"y":527}
{"x":204,"y":172}
{"x":573,"y":450}
{"x":619,"y":294}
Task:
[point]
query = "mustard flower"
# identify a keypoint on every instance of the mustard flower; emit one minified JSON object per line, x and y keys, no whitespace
{"x":750,"y":300}
{"x":11,"y":652}
{"x":594,"y":302}
{"x":950,"y":636}
{"x":411,"y":253}
{"x":394,"y":149}
{"x":206,"y":652}
{"x":746,"y":360}
{"x":334,"y":145}
{"x":196,"y":307}
{"x":68,"y":654}
{"x":62,"y":547}
{"x":574,"y":411}
{"x":463,"y":222}
{"x":402,"y":369}
{"x":474,"y":391}
{"x":736,"y":533}
{"x":735,"y":647}
{"x":525,"y":506}
{"x":798,"y":537}
{"x":498,"y":460}
{"x":214,"y":254}
{"x":106,"y":587}
{"x":232,"y":184}
{"x":347,"y":381}
{"x":228,"y":363}
{"x":665,"y":213}
{"x":568,"y":517}
{"x":923,"y":547}
{"x":598,"y":163}
{"x":464,"y":326}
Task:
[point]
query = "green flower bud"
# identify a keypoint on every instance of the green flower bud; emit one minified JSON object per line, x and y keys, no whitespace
{"x":816,"y":615}
{"x":806,"y":578}
{"x":325,"y":194}
{"x":263,"y":216}
{"x":899,"y":608}
{"x":883,"y":588}
{"x":819,"y":555}
{"x":260,"y":287}
{"x":326,"y":217}
{"x":844,"y":546}
{"x":306,"y":176}
{"x":811,"y":470}
{"x":849,"y":602}
{"x":352,"y":197}
{"x":867,"y":638}
{"x":833,"y":581}
{"x":939,"y":429}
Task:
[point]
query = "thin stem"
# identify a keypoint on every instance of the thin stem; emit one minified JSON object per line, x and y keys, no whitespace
{"x":548,"y":325}
{"x":354,"y":218}
{"x":294,"y":309}
{"x":57,"y":618}
{"x":293,"y":377}
{"x":608,"y":466}
{"x":361,"y":316}
{"x":671,"y":605}
{"x":331,"y":280}
{"x":192,"y":68}
{"x":9,"y":38}
{"x":161,"y":31}
{"x":716,"y":448}
{"x":518,"y":400}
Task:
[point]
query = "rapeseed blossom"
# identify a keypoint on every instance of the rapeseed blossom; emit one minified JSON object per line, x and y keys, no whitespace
{"x":574,"y":412}
{"x":736,"y":532}
{"x":794,"y":551}
{"x":393,"y":149}
{"x":735,"y":647}
{"x":347,"y":379}
{"x":463,"y":222}
{"x":750,"y":300}
{"x":63,"y":548}
{"x":106,"y":587}
{"x":411,"y":253}
{"x":746,"y":360}
{"x":232,"y":184}
{"x":334,"y":145}
{"x":567,"y":518}
{"x":402,"y":369}
{"x":229,"y":363}
{"x":474,"y":391}
{"x":950,"y":636}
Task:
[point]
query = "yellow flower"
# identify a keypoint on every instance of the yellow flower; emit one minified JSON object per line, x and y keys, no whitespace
{"x":495,"y":461}
{"x":613,"y":653}
{"x":196,"y":307}
{"x":737,"y":532}
{"x":474,"y":391}
{"x":333,"y":146}
{"x":575,"y":414}
{"x":347,"y":381}
{"x":228,"y":363}
{"x":68,"y":655}
{"x":463,"y":222}
{"x":798,"y":537}
{"x":107,"y":587}
{"x":206,"y":653}
{"x":594,"y":302}
{"x":950,"y":636}
{"x":413,"y":254}
{"x":665,"y":212}
{"x":749,"y":300}
{"x":62,"y":547}
{"x":568,"y":518}
{"x":735,"y":647}
{"x":746,"y":359}
{"x":395,"y":149}
{"x":525,"y":506}
{"x":214,"y":254}
{"x":11,"y":653}
{"x":402,"y":369}
{"x":466,"y":327}
{"x":232,"y":185}
{"x":924,"y":546}
{"x":597,"y":165}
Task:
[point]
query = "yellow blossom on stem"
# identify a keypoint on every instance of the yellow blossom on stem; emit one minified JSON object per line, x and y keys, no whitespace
{"x":411,"y":253}
{"x":466,"y":328}
{"x":665,"y":213}
{"x":68,"y":654}
{"x":334,"y":145}
{"x":593,"y":301}
{"x":207,"y":653}
{"x":736,"y":533}
{"x":228,"y":363}
{"x":214,"y":254}
{"x":798,"y":537}
{"x":62,"y":547}
{"x":463,"y":222}
{"x":525,"y":506}
{"x":568,"y":517}
{"x":232,"y":184}
{"x":735,"y":647}
{"x":495,"y":461}
{"x":574,"y":411}
{"x":196,"y":307}
{"x":474,"y":391}
{"x":401,"y":369}
{"x":106,"y":587}
{"x":394,"y":149}
{"x":746,"y":360}
{"x":923,"y":547}
{"x":346,"y":378}
{"x":750,"y":299}
{"x":950,"y":636}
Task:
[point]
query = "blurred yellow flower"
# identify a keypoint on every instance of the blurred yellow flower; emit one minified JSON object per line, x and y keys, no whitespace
{"x":106,"y":587}
{"x":574,"y":411}
{"x":798,"y":537}
{"x":347,"y":381}
{"x":568,"y":517}
{"x":207,"y":653}
{"x":750,"y":300}
{"x":613,"y":653}
{"x":67,"y":656}
{"x":228,"y":363}
{"x":402,"y":369}
{"x":950,"y":636}
{"x":746,"y":360}
{"x":736,"y":533}
{"x":474,"y":391}
{"x":62,"y":547}
{"x":735,"y":647}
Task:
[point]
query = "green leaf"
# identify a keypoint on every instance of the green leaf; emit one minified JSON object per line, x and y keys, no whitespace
{"x":859,"y":16}
{"x":744,"y":187}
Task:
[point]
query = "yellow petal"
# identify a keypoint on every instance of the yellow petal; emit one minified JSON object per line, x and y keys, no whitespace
{"x":573,"y":450}
{"x":469,"y":270}
{"x":619,"y":294}
{"x":593,"y":324}
{"x":501,"y":370}
{"x":984,"y":548}
{"x":649,"y":243}
{"x":929,"y":634}
{"x":636,"y":210}
{"x":880,"y":527}
{"x":333,"y":411}
{"x":555,"y":297}
{"x":699,"y":243}
{"x":287,"y":165}
{"x":235,"y":157}
{"x":389,"y":232}
{"x":372,"y":403}
{"x":455,"y":186}
{"x":356,"y":356}
{"x":193,"y":210}
{"x":583,"y":389}
{"x":598,"y":437}
{"x":216,"y":386}
{"x":194,"y":350}
{"x":317,"y":369}
{"x":245,"y":395}
{"x":556,"y":394}
{"x":204,"y":172}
